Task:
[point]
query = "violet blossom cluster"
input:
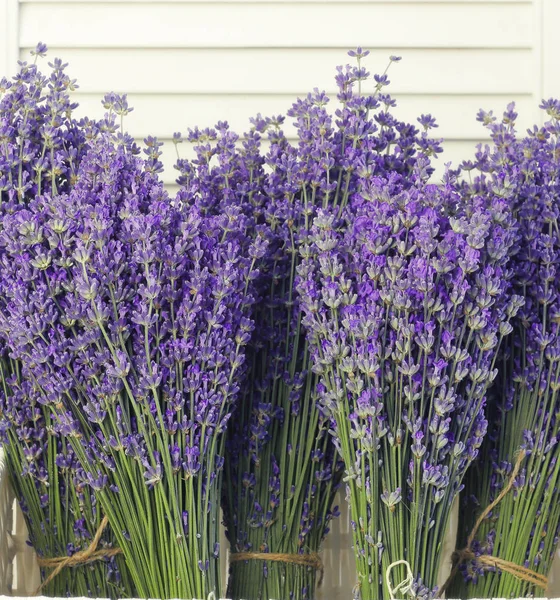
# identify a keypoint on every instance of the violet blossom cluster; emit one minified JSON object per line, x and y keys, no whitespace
{"x":273,"y":500}
{"x":525,"y":527}
{"x":263,"y":481}
{"x":41,"y":142}
{"x":41,"y":147}
{"x":406,"y":301}
{"x":130,"y":317}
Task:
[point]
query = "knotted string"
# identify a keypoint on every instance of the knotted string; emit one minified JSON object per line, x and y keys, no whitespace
{"x":90,"y":554}
{"x":460,"y":556}
{"x":405,"y":586}
{"x":312,"y":559}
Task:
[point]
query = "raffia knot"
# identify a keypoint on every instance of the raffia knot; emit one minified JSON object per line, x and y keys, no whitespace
{"x":403,"y":587}
{"x":487,"y":560}
{"x":310,"y":559}
{"x":90,"y":554}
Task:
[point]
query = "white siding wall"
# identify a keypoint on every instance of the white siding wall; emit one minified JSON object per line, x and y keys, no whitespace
{"x":186,"y":63}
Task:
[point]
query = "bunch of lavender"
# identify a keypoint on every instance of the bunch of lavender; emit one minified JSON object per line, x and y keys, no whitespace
{"x":404,"y":308}
{"x":257,"y":464}
{"x":41,"y":143}
{"x":281,"y":469}
{"x":525,"y":406}
{"x":130,"y":319}
{"x":41,"y":147}
{"x":61,"y":513}
{"x":269,"y":420}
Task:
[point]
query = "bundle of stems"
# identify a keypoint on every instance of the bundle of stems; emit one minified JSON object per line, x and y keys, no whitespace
{"x":405,"y":308}
{"x":281,"y":471}
{"x":525,"y":406}
{"x":281,"y":468}
{"x":130,"y":318}
{"x":42,"y":146}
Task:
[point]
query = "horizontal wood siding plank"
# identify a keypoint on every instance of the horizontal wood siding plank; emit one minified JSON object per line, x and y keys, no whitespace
{"x":294,"y":71}
{"x":281,"y":25}
{"x":9,"y":43}
{"x":162,"y":115}
{"x":341,"y":2}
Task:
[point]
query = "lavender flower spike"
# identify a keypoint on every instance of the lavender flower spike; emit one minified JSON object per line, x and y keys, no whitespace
{"x":405,"y":305}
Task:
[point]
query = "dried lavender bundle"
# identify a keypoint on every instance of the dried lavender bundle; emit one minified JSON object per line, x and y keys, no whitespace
{"x":41,"y":147}
{"x":130,"y":317}
{"x":277,"y":425}
{"x":256,"y":456}
{"x":257,"y":463}
{"x":404,"y":305}
{"x":281,"y":468}
{"x":525,"y":405}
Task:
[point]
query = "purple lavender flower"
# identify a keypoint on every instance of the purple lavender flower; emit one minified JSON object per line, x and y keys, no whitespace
{"x":130,"y":318}
{"x":41,"y":150}
{"x":276,"y":497}
{"x":404,"y":295}
{"x":524,"y":406}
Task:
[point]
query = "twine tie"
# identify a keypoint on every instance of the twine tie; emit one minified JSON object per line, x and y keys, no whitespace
{"x":312,"y":559}
{"x":90,"y":554}
{"x":460,"y":556}
{"x":405,"y":586}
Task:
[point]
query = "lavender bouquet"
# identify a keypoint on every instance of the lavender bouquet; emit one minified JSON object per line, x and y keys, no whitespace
{"x":41,"y":148}
{"x":281,"y":473}
{"x":130,"y":317}
{"x":281,"y":467}
{"x":525,"y":407}
{"x":405,"y":309}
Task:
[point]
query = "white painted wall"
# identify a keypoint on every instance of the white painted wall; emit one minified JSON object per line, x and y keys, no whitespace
{"x":186,"y":63}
